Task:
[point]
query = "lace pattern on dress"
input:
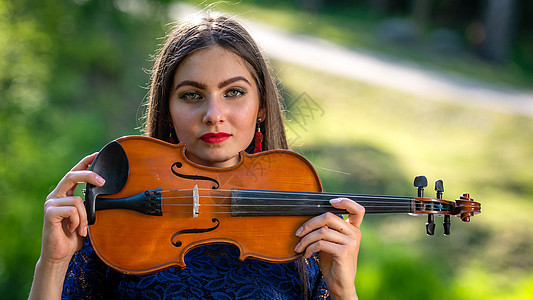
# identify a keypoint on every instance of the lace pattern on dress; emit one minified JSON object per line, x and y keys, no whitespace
{"x":213,"y":272}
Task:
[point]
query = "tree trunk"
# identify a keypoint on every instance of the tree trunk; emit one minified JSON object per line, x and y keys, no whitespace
{"x":500,"y":29}
{"x":421,"y":13}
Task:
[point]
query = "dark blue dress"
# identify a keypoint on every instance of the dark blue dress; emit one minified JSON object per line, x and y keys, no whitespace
{"x":213,"y":272}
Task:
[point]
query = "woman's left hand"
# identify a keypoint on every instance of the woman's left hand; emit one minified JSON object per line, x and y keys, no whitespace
{"x":337,"y":241}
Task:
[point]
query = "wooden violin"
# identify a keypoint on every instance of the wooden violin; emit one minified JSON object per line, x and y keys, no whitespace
{"x":156,"y":205}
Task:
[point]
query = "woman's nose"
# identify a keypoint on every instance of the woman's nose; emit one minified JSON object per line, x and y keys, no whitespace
{"x":214,"y":112}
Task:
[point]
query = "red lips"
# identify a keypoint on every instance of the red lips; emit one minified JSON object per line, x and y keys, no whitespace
{"x":215,"y":137}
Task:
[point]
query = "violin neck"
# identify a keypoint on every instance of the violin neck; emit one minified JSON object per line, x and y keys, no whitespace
{"x":282,"y":203}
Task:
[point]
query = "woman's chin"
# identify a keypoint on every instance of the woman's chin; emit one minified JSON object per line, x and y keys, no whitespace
{"x":218,"y":159}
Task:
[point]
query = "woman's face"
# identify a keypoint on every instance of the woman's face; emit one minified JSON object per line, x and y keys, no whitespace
{"x":214,"y":106}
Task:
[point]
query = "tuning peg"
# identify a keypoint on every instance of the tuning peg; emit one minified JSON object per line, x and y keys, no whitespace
{"x":447,"y":224}
{"x":439,"y":188}
{"x":430,"y":225}
{"x":421,"y":182}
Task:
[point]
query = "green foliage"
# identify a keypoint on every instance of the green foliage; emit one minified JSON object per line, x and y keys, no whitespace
{"x":72,"y":78}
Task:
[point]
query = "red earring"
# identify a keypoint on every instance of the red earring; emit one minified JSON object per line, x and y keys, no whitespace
{"x":171,"y":139}
{"x":258,"y":138}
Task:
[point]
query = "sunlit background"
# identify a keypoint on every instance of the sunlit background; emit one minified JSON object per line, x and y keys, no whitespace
{"x":376,"y":92}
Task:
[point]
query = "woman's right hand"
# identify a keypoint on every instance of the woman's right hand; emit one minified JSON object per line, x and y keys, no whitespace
{"x":65,"y":218}
{"x":64,"y":229}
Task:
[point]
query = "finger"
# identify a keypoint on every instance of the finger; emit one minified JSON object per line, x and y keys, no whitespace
{"x":356,"y":211}
{"x":71,"y":180}
{"x":325,"y":247}
{"x":328,"y":235}
{"x":66,"y":187}
{"x":71,"y":208}
{"x":324,"y":220}
{"x":57,"y":214}
{"x":77,"y":202}
{"x":85,"y":163}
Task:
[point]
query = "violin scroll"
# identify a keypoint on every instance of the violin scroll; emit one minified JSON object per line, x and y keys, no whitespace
{"x":466,"y":207}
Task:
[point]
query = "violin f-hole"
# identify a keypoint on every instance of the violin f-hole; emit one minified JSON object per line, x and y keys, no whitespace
{"x":178,"y":243}
{"x":178,"y":165}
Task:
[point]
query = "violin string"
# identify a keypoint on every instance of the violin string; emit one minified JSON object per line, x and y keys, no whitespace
{"x":274,"y":205}
{"x":380,"y":202}
{"x":319,"y":202}
{"x":281,"y":210}
{"x":353,"y":197}
{"x":297,"y":193}
{"x":251,"y":213}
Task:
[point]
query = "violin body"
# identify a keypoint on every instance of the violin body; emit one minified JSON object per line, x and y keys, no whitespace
{"x":270,"y":238}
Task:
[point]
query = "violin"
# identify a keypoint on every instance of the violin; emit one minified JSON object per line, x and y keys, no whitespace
{"x":157,"y":205}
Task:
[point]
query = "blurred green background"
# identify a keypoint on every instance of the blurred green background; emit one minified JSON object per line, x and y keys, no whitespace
{"x":73,"y":76}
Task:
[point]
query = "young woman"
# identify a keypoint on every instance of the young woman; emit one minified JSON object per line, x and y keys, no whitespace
{"x":211,"y":90}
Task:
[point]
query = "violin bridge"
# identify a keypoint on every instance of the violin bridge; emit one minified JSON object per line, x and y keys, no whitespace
{"x":195,"y":202}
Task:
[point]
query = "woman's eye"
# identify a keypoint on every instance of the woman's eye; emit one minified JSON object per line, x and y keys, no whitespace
{"x":191,"y":96}
{"x":235,"y":93}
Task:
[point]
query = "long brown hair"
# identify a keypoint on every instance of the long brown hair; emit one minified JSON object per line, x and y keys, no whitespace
{"x":212,"y":31}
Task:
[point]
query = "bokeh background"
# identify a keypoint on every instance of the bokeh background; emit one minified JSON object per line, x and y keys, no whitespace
{"x":73,"y":76}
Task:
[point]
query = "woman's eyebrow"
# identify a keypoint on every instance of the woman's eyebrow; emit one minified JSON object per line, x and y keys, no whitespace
{"x":232,"y":80}
{"x":191,"y":83}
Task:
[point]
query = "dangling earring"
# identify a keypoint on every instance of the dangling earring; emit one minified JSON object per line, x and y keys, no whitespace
{"x":258,"y":138}
{"x":171,"y":139}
